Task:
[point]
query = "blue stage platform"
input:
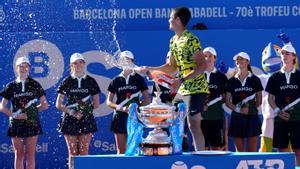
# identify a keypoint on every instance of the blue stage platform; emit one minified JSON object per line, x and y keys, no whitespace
{"x":189,"y":161}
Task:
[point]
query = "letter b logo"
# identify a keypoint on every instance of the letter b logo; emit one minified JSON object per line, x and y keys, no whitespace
{"x":46,"y":60}
{"x":39,"y":64}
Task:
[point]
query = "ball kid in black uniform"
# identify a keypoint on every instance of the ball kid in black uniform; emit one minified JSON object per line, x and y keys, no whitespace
{"x":127,"y":88}
{"x":244,"y":97}
{"x":82,"y":97}
{"x":28,"y":99}
{"x":213,"y":117}
{"x":284,"y":97}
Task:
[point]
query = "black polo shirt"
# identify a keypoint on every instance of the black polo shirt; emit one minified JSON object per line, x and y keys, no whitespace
{"x":19,"y":98}
{"x":75,"y":89}
{"x":216,"y":84}
{"x":285,"y":92}
{"x":123,"y":88}
{"x":241,"y":90}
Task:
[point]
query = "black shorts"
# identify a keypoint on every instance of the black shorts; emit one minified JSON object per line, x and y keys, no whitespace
{"x":119,"y":122}
{"x":69,"y":125}
{"x":194,"y":102}
{"x":285,"y":132}
{"x":213,"y":131}
{"x":24,"y":128}
{"x":244,"y":126}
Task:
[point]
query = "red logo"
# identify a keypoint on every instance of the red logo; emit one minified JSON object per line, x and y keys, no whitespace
{"x":243,"y":95}
{"x":128,"y":95}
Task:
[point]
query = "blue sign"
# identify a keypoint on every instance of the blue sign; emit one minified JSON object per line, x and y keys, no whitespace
{"x":68,"y":15}
{"x":202,"y":160}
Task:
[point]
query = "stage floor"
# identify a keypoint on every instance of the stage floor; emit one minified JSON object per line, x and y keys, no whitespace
{"x":202,"y":160}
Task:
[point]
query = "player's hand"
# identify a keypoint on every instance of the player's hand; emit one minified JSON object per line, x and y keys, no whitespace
{"x":175,"y":85}
{"x":284,"y":115}
{"x":125,"y":109}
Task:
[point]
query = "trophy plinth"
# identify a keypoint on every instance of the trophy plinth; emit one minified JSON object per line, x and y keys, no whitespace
{"x":157,"y":115}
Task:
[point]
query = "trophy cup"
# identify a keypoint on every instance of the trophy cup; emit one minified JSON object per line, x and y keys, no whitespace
{"x":157,"y":115}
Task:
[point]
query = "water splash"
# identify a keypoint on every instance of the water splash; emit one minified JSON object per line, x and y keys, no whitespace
{"x":34,"y":25}
{"x":113,"y":48}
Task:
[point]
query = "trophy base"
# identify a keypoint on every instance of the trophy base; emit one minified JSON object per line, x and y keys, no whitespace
{"x":155,"y":149}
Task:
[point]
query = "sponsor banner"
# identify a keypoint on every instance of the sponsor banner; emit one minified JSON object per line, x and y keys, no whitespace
{"x":202,"y":160}
{"x":29,"y":15}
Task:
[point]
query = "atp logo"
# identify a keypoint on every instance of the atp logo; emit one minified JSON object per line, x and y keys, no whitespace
{"x":182,"y":165}
{"x":258,"y":164}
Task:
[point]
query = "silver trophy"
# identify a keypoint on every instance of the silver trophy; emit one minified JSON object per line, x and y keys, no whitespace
{"x":157,"y":115}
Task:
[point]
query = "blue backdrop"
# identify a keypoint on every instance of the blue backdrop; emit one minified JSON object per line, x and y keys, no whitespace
{"x":49,"y":32}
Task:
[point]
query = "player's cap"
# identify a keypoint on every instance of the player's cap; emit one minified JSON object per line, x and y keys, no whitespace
{"x":21,"y":60}
{"x":243,"y":55}
{"x":289,"y":48}
{"x":210,"y":50}
{"x":75,"y":57}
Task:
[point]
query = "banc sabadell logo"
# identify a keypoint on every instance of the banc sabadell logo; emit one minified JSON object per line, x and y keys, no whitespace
{"x":47,"y":64}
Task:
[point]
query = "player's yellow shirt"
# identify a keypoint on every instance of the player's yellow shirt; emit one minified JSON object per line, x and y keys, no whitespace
{"x":182,"y":49}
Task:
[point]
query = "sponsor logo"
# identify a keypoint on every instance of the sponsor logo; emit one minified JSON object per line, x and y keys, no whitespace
{"x":243,"y":164}
{"x":288,"y":87}
{"x":8,"y":148}
{"x":243,"y":89}
{"x":212,"y":86}
{"x":267,"y":164}
{"x":79,"y":90}
{"x":127,"y":87}
{"x":105,"y":146}
{"x":182,"y":165}
{"x":23,"y":94}
{"x":46,"y":60}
